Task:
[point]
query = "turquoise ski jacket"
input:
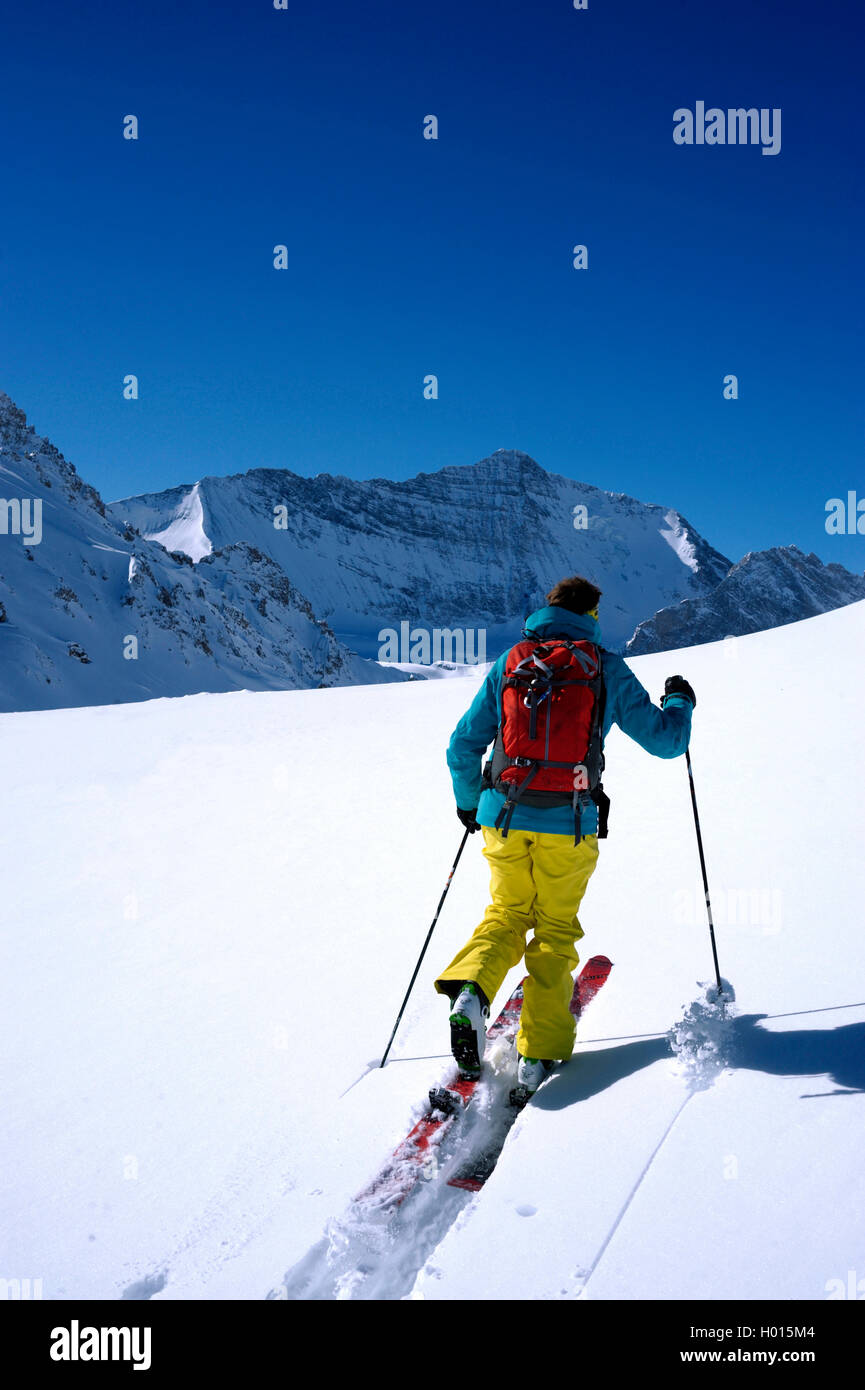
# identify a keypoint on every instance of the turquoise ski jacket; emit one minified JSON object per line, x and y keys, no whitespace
{"x":664,"y":732}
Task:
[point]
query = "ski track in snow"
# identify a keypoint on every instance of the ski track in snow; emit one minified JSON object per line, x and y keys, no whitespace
{"x":702,"y":1046}
{"x":369,"y":1253}
{"x":363,"y":1255}
{"x":631,"y":1195}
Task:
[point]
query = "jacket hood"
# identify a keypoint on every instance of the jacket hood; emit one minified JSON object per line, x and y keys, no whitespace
{"x":560,"y":622}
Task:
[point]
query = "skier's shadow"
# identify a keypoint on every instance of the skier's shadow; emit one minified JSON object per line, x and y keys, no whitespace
{"x":589,"y":1073}
{"x":837,"y":1054}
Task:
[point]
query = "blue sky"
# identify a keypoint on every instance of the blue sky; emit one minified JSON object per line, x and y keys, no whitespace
{"x":452,"y":257}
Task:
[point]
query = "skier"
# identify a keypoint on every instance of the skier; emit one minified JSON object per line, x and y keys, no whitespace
{"x":548,"y":703}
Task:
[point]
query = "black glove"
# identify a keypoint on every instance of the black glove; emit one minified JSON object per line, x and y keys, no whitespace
{"x":677,"y":685}
{"x":469,"y":820}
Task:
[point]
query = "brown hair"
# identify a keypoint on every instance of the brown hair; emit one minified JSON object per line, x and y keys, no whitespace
{"x":576,"y":594}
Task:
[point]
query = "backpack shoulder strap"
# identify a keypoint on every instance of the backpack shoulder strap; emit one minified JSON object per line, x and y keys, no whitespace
{"x":599,"y":796}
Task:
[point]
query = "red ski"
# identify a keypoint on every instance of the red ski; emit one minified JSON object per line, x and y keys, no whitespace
{"x":410,"y":1161}
{"x":475,"y":1173}
{"x":590,"y":979}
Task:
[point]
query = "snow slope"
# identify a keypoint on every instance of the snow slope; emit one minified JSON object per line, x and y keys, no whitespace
{"x":212,"y":906}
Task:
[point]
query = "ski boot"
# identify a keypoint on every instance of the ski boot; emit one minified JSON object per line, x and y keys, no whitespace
{"x":468,"y":1019}
{"x":531,"y":1071}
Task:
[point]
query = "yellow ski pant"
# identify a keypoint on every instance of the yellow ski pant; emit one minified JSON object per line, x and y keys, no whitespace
{"x":537,"y":882}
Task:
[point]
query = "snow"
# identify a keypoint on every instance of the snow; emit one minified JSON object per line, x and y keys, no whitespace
{"x":437,"y":670}
{"x":214,"y":906}
{"x":185,"y":532}
{"x":679,"y":541}
{"x":703,"y":1041}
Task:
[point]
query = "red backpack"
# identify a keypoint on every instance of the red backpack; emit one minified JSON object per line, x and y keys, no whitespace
{"x":549,"y":745}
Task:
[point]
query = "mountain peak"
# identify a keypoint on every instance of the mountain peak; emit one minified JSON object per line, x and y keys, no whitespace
{"x":767,"y":588}
{"x":13,"y":422}
{"x":511,"y":460}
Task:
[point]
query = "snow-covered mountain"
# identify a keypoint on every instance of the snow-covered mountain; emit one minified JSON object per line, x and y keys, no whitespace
{"x":766,"y":589}
{"x":270,"y":580}
{"x":473,"y":547}
{"x":92,"y":613}
{"x":214,"y":917}
{"x":476,"y":547}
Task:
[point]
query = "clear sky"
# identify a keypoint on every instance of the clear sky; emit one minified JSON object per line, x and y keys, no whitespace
{"x":408,"y":256}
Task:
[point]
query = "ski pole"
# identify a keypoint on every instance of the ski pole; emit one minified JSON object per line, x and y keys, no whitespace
{"x":703,"y":867}
{"x":426,"y":943}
